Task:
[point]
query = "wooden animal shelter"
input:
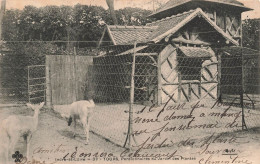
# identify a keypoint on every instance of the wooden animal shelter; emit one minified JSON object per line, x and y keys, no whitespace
{"x":177,"y":55}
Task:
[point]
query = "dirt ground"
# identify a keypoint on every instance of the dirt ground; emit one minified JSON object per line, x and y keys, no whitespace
{"x":54,"y":139}
{"x":53,"y":142}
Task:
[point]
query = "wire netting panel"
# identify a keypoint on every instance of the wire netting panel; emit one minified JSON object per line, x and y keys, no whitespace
{"x":112,"y":78}
{"x":145,"y":79}
{"x":190,"y":68}
{"x":251,"y":71}
{"x":231,"y":74}
{"x":239,"y":80}
{"x":112,"y":75}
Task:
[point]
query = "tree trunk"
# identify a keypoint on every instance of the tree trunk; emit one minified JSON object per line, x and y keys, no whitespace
{"x":110,"y":4}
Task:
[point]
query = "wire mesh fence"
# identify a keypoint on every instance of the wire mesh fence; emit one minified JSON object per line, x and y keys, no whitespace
{"x":168,"y":78}
{"x":111,"y":80}
{"x":112,"y":77}
{"x":251,"y":76}
{"x":13,"y":82}
{"x":145,"y":79}
{"x":147,"y":90}
{"x":21,"y":59}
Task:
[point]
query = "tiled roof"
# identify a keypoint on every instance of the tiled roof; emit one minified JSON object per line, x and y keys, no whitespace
{"x":167,"y":24}
{"x":158,"y":30}
{"x":125,"y":35}
{"x":196,"y":52}
{"x":131,"y":51}
{"x":247,"y":52}
{"x":174,"y":3}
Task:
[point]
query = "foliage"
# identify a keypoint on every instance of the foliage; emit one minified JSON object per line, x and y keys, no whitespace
{"x":133,"y":16}
{"x":251,"y":30}
{"x":33,"y":32}
{"x":65,"y":23}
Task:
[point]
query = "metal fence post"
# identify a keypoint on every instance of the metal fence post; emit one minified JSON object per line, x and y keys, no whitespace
{"x":48,"y":84}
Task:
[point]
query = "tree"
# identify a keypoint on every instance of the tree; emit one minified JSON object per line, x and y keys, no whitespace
{"x":133,"y":16}
{"x":3,"y":5}
{"x":110,"y":4}
{"x":10,"y":25}
{"x":66,"y":23}
{"x":251,"y":30}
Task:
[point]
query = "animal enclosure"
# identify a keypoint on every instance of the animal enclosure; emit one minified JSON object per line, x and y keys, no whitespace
{"x":112,"y":77}
{"x":160,"y":72}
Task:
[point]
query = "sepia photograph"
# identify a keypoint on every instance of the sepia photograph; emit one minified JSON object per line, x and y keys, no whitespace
{"x":130,"y":81}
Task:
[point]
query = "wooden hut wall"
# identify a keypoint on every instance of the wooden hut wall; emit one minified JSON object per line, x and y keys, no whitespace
{"x":230,"y":22}
{"x":175,"y":87}
{"x":169,"y":74}
{"x":209,"y":81}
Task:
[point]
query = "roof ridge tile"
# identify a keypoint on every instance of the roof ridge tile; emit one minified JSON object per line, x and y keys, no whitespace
{"x":173,"y":16}
{"x":130,"y":27}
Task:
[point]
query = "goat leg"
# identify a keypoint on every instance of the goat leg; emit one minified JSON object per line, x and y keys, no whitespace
{"x":75,"y":123}
{"x":85,"y":126}
{"x":13,"y":142}
{"x":88,"y":126}
{"x":28,"y":141}
{"x":70,"y":121}
{"x":6,"y":154}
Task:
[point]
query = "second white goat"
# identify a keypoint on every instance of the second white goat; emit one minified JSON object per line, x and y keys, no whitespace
{"x":82,"y":111}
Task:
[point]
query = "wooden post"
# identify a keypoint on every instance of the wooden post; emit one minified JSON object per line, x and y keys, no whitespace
{"x":28,"y":83}
{"x":225,"y":22}
{"x":44,"y":92}
{"x":48,"y":102}
{"x":244,"y":127}
{"x":215,"y":17}
{"x":219,"y":75}
{"x":199,"y":86}
{"x":189,"y":91}
{"x":130,"y":121}
{"x":159,"y":76}
{"x":75,"y":75}
{"x":241,"y":33}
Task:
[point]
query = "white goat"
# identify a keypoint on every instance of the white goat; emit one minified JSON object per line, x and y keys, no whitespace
{"x":16,"y":126}
{"x":81,"y":110}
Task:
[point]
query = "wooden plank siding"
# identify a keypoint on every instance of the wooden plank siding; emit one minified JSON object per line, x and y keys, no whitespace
{"x":65,"y":75}
{"x":169,"y":74}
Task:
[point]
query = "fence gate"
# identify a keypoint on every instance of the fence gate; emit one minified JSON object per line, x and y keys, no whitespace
{"x":36,"y":83}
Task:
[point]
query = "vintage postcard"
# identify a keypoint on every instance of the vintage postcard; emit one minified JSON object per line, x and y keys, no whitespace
{"x":128,"y":81}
